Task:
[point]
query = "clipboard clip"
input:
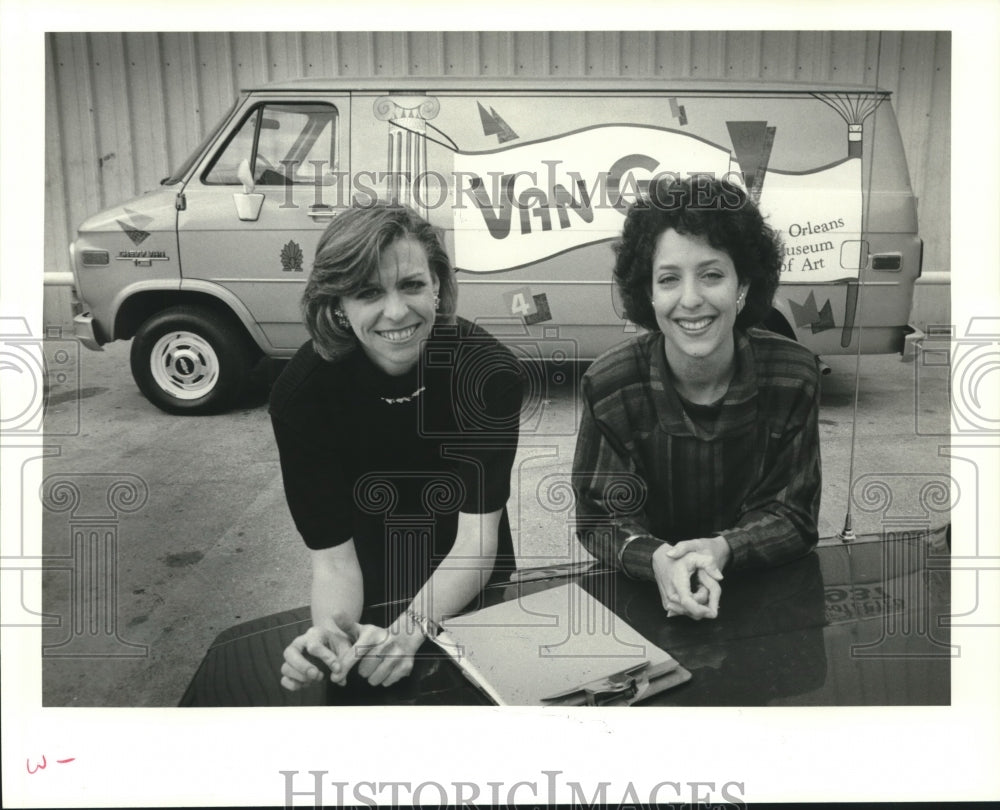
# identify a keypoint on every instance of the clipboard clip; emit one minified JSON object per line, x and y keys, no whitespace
{"x":552,"y":572}
{"x":618,"y":689}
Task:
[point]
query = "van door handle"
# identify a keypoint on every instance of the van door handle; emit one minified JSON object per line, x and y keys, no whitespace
{"x":887,"y":261}
{"x":321,"y":212}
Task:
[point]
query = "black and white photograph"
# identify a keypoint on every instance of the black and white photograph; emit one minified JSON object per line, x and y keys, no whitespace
{"x":373,"y":392}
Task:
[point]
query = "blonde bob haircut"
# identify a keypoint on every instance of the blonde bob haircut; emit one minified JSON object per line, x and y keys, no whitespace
{"x":348,"y":254}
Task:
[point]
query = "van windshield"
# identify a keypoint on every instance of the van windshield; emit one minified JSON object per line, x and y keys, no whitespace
{"x":179,"y":173}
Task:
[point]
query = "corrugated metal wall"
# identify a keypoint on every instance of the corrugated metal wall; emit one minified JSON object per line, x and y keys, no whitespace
{"x":123,"y":109}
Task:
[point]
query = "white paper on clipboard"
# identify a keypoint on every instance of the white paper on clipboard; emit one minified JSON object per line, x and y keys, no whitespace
{"x":553,"y":642}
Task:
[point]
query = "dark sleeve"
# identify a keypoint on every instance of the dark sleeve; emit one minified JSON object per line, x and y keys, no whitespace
{"x":486,"y":441}
{"x":317,"y":495}
{"x":610,"y":495}
{"x":778,"y":519}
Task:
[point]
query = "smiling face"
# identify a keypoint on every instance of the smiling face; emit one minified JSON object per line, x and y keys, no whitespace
{"x":394,"y":311}
{"x":695,"y":292}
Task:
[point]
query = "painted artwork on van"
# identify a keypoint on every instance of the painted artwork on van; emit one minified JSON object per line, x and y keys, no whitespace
{"x":532,"y":190}
{"x":525,"y":201}
{"x":541,"y":199}
{"x":819,"y":217}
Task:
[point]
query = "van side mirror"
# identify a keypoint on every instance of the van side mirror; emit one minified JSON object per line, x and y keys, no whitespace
{"x":248,"y":204}
{"x":245,"y":176}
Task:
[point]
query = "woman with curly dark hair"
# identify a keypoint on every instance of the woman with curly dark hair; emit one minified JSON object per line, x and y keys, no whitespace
{"x":698,"y":450}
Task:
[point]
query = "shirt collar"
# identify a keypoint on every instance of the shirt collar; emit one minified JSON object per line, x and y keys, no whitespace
{"x":739,"y":406}
{"x":371,"y":379}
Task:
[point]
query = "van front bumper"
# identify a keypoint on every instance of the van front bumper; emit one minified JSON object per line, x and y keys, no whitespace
{"x":83,"y":328}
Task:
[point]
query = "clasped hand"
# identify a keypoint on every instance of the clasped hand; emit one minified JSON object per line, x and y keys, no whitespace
{"x":688,"y":576}
{"x":383,"y":655}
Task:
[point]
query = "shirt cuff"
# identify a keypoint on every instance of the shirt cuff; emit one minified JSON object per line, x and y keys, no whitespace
{"x":740,"y":542}
{"x":637,"y":559}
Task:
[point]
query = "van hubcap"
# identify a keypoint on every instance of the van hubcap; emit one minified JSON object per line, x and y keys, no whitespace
{"x":184,"y":365}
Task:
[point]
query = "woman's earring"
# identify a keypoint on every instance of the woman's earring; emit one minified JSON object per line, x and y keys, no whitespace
{"x":739,"y":302}
{"x":342,"y":320}
{"x":437,"y":302}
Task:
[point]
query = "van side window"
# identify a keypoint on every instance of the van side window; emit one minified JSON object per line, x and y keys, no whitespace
{"x":285,"y":144}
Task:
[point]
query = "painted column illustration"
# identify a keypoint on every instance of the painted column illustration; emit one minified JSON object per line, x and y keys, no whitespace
{"x":407,"y":145}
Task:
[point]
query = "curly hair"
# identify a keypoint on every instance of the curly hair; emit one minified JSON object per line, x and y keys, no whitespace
{"x":349,"y":252}
{"x":716,"y":209}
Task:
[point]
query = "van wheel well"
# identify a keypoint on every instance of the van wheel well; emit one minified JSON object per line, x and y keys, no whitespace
{"x":776,"y":322}
{"x":141,"y":307}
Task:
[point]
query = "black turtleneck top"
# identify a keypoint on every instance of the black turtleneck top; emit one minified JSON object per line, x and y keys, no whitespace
{"x":390,"y":461}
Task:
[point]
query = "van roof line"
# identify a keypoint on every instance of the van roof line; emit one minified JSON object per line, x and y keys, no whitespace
{"x":559,"y":85}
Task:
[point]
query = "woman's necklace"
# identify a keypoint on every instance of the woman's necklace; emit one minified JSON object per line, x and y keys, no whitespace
{"x":410,"y":398}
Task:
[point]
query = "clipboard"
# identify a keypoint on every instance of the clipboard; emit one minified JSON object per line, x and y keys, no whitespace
{"x":556,"y":647}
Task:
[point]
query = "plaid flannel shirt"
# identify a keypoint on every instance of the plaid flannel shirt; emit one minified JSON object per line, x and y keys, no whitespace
{"x":643,"y":466}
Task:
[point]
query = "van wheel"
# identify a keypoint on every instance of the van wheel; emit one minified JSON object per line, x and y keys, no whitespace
{"x":191,"y":360}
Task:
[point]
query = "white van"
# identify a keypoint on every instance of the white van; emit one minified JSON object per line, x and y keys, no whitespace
{"x":529,"y":183}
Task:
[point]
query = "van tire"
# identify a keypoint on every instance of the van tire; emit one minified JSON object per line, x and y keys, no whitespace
{"x":191,"y":360}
